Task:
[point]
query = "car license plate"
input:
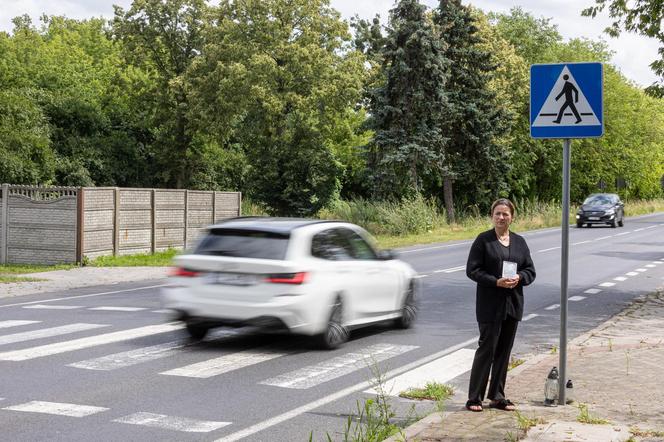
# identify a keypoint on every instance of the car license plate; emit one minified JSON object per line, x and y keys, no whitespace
{"x":593,"y":218}
{"x":241,"y":279}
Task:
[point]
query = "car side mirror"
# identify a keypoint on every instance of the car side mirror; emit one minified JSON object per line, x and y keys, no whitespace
{"x":387,"y":255}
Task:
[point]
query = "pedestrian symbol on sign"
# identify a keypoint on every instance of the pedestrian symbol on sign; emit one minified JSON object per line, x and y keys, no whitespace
{"x":566,"y":105}
{"x":568,"y":89}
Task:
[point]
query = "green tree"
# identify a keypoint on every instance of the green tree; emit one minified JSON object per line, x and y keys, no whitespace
{"x":409,"y":107}
{"x":475,"y":163}
{"x":644,"y":17}
{"x":276,"y":78}
{"x":163,"y":38}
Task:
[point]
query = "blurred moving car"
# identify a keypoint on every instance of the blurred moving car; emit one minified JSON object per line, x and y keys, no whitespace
{"x":601,"y":208}
{"x":311,"y":277}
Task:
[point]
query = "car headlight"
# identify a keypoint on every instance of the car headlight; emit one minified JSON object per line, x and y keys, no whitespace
{"x":610,"y":212}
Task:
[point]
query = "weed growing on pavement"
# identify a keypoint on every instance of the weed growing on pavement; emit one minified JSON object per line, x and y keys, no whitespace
{"x":554,"y":349}
{"x":586,"y":418}
{"x":511,"y":437}
{"x":627,"y":360}
{"x":638,"y":432}
{"x":432,"y":391}
{"x":515,"y":362}
{"x":610,"y":344}
{"x":525,"y":423}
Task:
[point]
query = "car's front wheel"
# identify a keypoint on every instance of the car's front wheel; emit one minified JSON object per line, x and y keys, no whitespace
{"x":622,"y":221}
{"x":579,"y":225}
{"x":197,"y":331}
{"x":408,"y":309}
{"x":335,"y":334}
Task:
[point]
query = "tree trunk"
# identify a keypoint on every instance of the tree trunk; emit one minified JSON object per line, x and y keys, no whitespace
{"x":447,"y":199}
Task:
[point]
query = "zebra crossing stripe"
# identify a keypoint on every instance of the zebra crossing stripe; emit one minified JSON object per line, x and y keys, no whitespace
{"x":47,"y":332}
{"x":313,"y":375}
{"x":132,"y":357}
{"x":53,"y":307}
{"x":62,"y":409}
{"x":118,"y":309}
{"x":224,"y":364}
{"x":441,"y":370}
{"x":92,"y":341}
{"x":171,"y":422}
{"x":16,"y":323}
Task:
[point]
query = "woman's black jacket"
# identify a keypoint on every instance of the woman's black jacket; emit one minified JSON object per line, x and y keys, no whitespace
{"x":485,"y":267}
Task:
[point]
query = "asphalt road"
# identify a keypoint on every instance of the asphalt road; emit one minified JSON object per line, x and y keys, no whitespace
{"x":106,"y":364}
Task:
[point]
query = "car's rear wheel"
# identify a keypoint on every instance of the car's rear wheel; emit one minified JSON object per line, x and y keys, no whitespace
{"x":197,"y":331}
{"x":335,"y":334}
{"x":408,"y":309}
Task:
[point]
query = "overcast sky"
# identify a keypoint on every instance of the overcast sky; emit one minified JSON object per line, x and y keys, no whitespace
{"x":632,"y":55}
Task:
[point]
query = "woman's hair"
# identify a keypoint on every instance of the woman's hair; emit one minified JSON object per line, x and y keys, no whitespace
{"x":503,"y":202}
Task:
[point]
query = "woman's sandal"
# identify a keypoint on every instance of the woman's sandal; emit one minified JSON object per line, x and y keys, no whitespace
{"x":502,"y":404}
{"x":477,"y":404}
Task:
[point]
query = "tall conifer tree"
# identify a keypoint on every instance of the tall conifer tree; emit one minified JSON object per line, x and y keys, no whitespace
{"x":476,"y":166}
{"x":408,"y":108}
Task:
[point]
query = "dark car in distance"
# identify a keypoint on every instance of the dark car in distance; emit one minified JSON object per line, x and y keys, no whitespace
{"x":601,"y":208}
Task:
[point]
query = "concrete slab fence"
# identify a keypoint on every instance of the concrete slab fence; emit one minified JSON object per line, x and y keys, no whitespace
{"x":51,"y":225}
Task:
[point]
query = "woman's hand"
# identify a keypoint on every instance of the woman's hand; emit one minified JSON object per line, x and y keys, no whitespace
{"x":508,"y":283}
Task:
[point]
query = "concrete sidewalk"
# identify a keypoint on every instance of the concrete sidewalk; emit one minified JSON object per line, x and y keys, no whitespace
{"x":59,"y":280}
{"x":618,"y":375}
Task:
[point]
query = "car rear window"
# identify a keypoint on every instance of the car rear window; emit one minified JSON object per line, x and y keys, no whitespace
{"x":244,"y":244}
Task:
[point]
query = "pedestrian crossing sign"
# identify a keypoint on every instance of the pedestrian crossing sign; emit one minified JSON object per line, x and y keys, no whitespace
{"x":566,"y":100}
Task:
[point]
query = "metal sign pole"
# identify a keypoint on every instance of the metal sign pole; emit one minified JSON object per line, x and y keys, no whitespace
{"x":564,"y":262}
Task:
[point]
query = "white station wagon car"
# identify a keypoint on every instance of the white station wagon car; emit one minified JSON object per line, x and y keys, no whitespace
{"x":311,"y":277}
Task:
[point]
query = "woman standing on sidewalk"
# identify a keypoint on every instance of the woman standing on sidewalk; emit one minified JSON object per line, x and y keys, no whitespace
{"x":499,"y":262}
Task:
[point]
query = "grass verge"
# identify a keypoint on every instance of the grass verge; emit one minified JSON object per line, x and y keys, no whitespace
{"x":159,"y":259}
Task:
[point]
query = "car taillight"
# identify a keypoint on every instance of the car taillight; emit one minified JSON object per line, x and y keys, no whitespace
{"x":287,"y":278}
{"x":181,"y":271}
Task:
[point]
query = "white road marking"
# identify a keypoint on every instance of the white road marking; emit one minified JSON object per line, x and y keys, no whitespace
{"x":650,"y":266}
{"x":441,"y":370}
{"x":119,"y":309}
{"x":632,"y":273}
{"x":61,"y":409}
{"x":132,"y":357}
{"x":592,"y":291}
{"x":657,"y":262}
{"x":580,"y":242}
{"x":224,"y":364}
{"x":451,"y":269}
{"x":576,"y":298}
{"x":420,"y":276}
{"x":435,"y":247}
{"x":603,"y":237}
{"x":623,"y":233}
{"x":16,"y":323}
{"x":174,"y":423}
{"x":620,"y":278}
{"x":313,"y":375}
{"x":607,"y":284}
{"x":163,"y":310}
{"x":54,"y":307}
{"x":530,"y":316}
{"x":548,"y":250}
{"x":47,"y":332}
{"x":651,"y":227}
{"x":261,"y":426}
{"x":66,"y":298}
{"x":638,"y":230}
{"x":641,"y":270}
{"x":552,"y":307}
{"x":92,"y":341}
